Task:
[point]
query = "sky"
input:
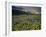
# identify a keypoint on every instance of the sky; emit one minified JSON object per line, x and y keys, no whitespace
{"x":27,"y":9}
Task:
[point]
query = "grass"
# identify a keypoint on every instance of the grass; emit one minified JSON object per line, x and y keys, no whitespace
{"x":26,"y":22}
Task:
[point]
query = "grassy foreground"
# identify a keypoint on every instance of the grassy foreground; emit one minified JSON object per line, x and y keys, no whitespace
{"x":26,"y":22}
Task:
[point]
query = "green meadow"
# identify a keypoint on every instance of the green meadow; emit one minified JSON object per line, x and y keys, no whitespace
{"x":26,"y":22}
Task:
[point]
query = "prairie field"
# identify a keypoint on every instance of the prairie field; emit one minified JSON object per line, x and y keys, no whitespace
{"x":26,"y":18}
{"x":26,"y":22}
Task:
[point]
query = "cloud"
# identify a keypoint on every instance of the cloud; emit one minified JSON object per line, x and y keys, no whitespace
{"x":27,"y":9}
